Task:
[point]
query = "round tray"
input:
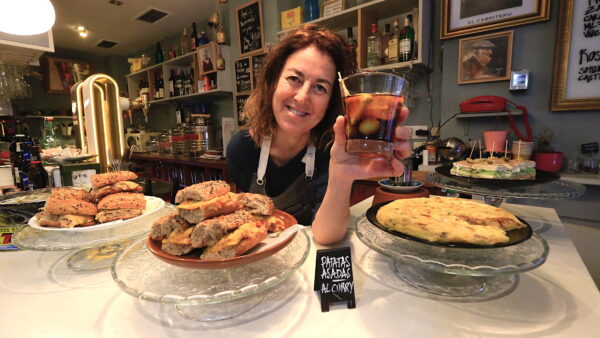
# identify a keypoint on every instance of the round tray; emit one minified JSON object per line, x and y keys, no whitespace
{"x":541,"y":177}
{"x":515,"y":236}
{"x":458,"y":261}
{"x":554,"y":190}
{"x":139,"y":273}
{"x":88,"y":237}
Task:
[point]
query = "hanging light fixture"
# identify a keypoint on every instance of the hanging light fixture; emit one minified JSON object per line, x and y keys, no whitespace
{"x":26,"y":17}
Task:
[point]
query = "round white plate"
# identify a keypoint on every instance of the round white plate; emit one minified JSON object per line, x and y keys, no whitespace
{"x":388,"y":184}
{"x":153,"y":204}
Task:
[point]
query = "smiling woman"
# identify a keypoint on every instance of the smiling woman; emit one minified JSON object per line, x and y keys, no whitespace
{"x":285,"y":150}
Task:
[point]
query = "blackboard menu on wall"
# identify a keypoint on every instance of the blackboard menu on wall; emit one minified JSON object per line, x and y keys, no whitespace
{"x":576,"y":79}
{"x":257,"y":64}
{"x":240,"y":101}
{"x":250,"y":28}
{"x":333,"y":277}
{"x":242,"y":75}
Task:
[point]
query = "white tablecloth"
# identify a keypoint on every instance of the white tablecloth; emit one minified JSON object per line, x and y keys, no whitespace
{"x":41,"y":297}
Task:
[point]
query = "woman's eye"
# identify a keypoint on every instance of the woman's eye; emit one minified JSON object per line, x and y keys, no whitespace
{"x":293,"y":79}
{"x":320,"y":89}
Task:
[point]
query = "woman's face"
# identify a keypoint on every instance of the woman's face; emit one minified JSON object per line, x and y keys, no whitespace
{"x":303,"y":91}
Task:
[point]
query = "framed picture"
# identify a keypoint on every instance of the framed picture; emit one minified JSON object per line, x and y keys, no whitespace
{"x":331,"y":7}
{"x":257,"y":64}
{"x":464,"y":17}
{"x":206,"y":57}
{"x":576,"y":76}
{"x":243,"y":75}
{"x":61,"y":74}
{"x":485,"y":58}
{"x":250,"y":27}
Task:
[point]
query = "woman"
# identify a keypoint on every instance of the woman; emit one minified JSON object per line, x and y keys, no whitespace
{"x":283,"y":153}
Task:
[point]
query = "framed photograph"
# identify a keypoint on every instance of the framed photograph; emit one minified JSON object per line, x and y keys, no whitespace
{"x":576,"y":77}
{"x":332,"y":7}
{"x":61,"y":74}
{"x":485,"y":58}
{"x":464,"y":17}
{"x":206,"y":57}
{"x":250,"y":27}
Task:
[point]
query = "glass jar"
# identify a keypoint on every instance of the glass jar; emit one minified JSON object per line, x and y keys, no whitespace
{"x":164,"y":142}
{"x":178,"y":146}
{"x":152,"y":144}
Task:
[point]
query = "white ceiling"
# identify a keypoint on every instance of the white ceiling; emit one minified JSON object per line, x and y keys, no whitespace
{"x":105,"y":21}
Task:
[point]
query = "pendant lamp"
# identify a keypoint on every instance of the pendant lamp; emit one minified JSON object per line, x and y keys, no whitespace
{"x":26,"y":17}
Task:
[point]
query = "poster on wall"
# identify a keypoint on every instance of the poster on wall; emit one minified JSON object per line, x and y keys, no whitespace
{"x":576,"y":78}
{"x":250,"y":27}
{"x":464,"y":17}
{"x":61,"y":74}
{"x":485,"y":58}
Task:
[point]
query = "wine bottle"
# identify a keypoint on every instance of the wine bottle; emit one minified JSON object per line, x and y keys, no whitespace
{"x":161,"y":86}
{"x":194,"y":37}
{"x":171,"y":84}
{"x":158,"y":54}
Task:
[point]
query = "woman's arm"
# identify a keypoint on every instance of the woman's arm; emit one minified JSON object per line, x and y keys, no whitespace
{"x":331,"y":220}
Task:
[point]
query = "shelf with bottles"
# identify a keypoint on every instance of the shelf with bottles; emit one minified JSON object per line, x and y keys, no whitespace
{"x":379,"y":12}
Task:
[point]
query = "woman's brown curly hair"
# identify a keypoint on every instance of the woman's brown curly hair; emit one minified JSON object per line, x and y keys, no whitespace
{"x":258,"y":108}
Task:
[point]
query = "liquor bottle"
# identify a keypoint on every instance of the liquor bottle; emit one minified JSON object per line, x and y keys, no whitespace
{"x":220,"y":60}
{"x":373,"y":47}
{"x":178,"y":115}
{"x":392,"y":48}
{"x":385,"y":38}
{"x":406,"y":40}
{"x":161,"y":86}
{"x":49,"y":139}
{"x":185,"y":42}
{"x":202,"y":38}
{"x":37,"y":175}
{"x":311,"y":10}
{"x":186,"y":83}
{"x":171,"y":84}
{"x":352,"y":46}
{"x":158,"y":54}
{"x":192,"y":81}
{"x":194,"y":37}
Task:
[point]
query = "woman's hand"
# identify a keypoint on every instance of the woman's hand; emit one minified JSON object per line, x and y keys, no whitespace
{"x":344,"y":166}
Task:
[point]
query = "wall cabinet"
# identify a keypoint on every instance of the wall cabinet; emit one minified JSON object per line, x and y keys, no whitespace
{"x":380,"y":12}
{"x":222,"y":79}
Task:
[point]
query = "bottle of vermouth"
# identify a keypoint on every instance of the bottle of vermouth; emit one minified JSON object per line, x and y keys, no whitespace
{"x":373,"y":47}
{"x":406,"y":40}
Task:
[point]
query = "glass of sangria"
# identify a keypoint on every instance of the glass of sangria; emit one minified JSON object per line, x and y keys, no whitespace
{"x":372,"y":103}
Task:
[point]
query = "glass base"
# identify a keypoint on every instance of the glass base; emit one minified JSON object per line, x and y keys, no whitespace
{"x":426,"y":283}
{"x":97,"y":258}
{"x":219,"y":311}
{"x":369,"y":147}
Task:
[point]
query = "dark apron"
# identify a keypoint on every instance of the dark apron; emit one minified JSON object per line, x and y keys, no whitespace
{"x":299,"y":198}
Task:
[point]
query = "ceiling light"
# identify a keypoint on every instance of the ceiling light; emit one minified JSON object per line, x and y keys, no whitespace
{"x":83,"y":33}
{"x":26,"y":17}
{"x":80,"y":28}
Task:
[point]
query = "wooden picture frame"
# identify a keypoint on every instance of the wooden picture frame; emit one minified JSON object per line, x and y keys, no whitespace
{"x":61,"y":74}
{"x":485,"y":58}
{"x":465,"y":17}
{"x":576,"y":76}
{"x":242,"y":68}
{"x":250,"y":28}
{"x":332,"y":7}
{"x":207,"y":56}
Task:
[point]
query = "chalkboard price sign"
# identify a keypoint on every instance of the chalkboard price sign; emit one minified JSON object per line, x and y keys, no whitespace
{"x":589,"y":148}
{"x":333,"y":277}
{"x":242,"y":75}
{"x":240,"y":101}
{"x":257,"y":64}
{"x":250,"y":31}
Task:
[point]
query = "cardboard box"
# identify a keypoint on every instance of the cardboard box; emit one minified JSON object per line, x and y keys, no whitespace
{"x":291,"y":18}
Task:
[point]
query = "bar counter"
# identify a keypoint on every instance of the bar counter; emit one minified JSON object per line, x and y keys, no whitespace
{"x":42,"y":297}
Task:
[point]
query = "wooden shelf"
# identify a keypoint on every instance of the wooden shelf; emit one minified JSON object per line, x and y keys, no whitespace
{"x":175,"y":61}
{"x":488,"y":114}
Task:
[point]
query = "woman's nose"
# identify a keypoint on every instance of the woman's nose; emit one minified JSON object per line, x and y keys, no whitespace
{"x":303,"y":93}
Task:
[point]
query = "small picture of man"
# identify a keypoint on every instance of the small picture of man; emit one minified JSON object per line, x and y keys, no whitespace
{"x":485,"y":58}
{"x":207,"y":65}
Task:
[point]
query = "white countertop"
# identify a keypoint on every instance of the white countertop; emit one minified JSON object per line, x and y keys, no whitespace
{"x":41,"y":297}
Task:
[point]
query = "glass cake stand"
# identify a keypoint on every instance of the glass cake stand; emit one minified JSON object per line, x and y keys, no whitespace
{"x":206,"y":294}
{"x":96,"y":247}
{"x":448,"y":273}
{"x":554,"y":190}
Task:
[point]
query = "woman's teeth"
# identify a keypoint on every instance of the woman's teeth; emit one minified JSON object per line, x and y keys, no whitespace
{"x":297,"y":113}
